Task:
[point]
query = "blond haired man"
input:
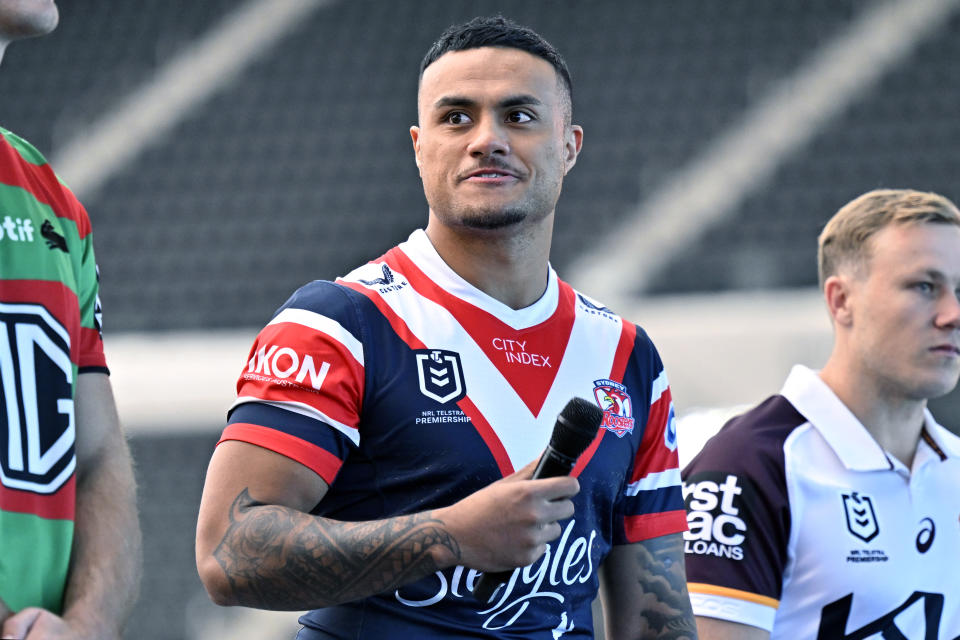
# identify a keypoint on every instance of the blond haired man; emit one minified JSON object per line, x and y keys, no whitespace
{"x":830,"y":510}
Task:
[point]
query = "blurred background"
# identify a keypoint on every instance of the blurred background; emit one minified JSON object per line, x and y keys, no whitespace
{"x":229,"y":152}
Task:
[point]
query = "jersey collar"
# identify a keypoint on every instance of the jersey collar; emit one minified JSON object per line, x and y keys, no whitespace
{"x":845,"y":434}
{"x":421,"y":251}
{"x":941,"y":441}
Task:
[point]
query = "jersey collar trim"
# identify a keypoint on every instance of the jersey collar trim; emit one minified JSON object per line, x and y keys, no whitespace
{"x":942,"y":441}
{"x":845,"y":434}
{"x":419,"y":249}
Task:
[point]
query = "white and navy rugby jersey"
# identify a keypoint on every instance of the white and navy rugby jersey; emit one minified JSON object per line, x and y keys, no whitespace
{"x":800,"y":523}
{"x":407,"y":389}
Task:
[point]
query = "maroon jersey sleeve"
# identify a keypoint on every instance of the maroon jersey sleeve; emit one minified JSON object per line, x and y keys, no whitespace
{"x":738,"y":512}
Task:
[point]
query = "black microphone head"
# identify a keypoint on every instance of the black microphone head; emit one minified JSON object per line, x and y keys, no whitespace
{"x":576,"y":427}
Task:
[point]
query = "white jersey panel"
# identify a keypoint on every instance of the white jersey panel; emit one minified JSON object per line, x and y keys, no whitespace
{"x":586,"y":348}
{"x":436,"y":327}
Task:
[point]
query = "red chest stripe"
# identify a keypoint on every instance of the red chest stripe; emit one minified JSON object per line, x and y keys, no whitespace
{"x":466,"y":405}
{"x":528,"y":359}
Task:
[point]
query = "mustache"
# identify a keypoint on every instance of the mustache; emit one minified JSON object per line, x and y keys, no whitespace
{"x":494,"y":163}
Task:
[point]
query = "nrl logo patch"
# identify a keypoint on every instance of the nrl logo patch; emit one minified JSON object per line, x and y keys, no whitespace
{"x":440,"y":375}
{"x":861,"y":518}
{"x":617,"y":407}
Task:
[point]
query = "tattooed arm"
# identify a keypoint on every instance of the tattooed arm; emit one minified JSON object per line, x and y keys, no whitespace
{"x":644,"y":591}
{"x":258,"y":546}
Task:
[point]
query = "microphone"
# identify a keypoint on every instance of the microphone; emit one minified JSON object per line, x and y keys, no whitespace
{"x":574,"y":430}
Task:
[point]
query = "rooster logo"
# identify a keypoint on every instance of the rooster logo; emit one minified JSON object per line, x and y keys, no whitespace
{"x":612,"y":402}
{"x":617,"y":406}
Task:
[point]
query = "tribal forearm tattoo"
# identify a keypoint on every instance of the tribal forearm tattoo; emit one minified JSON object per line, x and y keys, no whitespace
{"x":280,"y":558}
{"x":666,"y":604}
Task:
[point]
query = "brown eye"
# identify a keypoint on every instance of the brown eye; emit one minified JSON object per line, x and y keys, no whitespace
{"x":519,"y":117}
{"x":457,"y":117}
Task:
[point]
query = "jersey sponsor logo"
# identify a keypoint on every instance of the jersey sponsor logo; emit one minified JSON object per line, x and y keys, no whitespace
{"x":716,"y":527}
{"x":54,"y":239}
{"x":386,"y":279}
{"x":516,"y":352}
{"x":861,"y":518}
{"x":595,"y":308}
{"x":36,"y":398}
{"x":280,"y":364}
{"x":440,"y":375}
{"x":17,"y":229}
{"x":925,"y":536}
{"x":564,"y":566}
{"x":920,"y":616}
{"x":386,"y":282}
{"x":617,"y":406}
{"x":711,"y":607}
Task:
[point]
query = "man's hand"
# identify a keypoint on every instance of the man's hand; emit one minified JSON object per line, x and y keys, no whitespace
{"x":509,"y":523}
{"x":254,"y":530}
{"x":33,"y":623}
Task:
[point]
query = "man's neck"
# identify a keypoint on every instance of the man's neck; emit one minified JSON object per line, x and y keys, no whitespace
{"x":895,"y":422}
{"x":508,"y":266}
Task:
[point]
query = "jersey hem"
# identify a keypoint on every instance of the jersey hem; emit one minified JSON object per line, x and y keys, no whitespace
{"x":744,"y":608}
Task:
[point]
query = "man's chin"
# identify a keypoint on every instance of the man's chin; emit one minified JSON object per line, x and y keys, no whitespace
{"x":493,"y":221}
{"x":935,"y":386}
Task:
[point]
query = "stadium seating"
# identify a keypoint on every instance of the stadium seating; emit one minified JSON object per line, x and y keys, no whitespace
{"x":303,"y":167}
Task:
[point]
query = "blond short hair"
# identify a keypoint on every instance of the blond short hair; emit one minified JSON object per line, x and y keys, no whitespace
{"x":844,"y":240}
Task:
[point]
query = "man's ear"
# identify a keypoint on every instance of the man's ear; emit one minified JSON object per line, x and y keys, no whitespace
{"x":415,"y":136}
{"x":572,"y":144}
{"x":837,"y":292}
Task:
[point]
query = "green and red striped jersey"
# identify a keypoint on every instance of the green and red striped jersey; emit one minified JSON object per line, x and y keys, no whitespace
{"x":49,"y":332}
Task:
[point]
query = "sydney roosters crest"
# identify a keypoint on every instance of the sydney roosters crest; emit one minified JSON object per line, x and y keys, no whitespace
{"x":617,"y":407}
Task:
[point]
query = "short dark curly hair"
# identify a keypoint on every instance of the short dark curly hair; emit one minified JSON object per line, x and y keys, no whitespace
{"x":498,"y":31}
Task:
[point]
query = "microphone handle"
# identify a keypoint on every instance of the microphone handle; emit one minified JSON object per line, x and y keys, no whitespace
{"x":551,"y":465}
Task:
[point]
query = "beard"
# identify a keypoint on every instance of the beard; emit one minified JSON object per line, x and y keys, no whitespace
{"x":489,"y":217}
{"x":490,"y":211}
{"x":491,"y":220}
